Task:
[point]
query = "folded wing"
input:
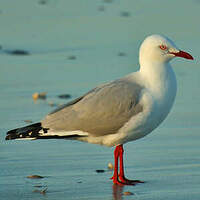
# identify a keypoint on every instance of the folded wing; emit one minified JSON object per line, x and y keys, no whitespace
{"x":103,"y":110}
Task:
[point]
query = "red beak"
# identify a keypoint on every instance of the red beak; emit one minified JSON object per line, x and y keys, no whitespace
{"x":183,"y":55}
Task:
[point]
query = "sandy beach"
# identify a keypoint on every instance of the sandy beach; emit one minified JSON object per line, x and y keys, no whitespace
{"x":69,"y":47}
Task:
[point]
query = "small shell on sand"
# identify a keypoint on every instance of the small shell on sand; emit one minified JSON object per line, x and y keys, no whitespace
{"x":110,"y":166}
{"x":35,"y":176}
{"x":41,"y":95}
{"x":128,"y":193}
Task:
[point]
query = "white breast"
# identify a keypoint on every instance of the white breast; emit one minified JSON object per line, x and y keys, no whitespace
{"x":157,"y":99}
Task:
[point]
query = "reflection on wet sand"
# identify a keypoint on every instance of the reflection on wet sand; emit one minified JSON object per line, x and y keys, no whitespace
{"x":117,"y":192}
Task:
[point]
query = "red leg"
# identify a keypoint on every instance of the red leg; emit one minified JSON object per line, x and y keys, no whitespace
{"x":115,"y":175}
{"x":119,"y":178}
{"x":121,"y":175}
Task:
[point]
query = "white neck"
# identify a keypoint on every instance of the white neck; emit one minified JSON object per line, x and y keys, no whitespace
{"x":158,"y":77}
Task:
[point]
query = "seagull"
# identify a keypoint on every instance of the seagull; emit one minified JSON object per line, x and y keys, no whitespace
{"x":120,"y":111}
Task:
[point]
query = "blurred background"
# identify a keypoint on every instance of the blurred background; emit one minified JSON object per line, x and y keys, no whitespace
{"x":68,"y":47}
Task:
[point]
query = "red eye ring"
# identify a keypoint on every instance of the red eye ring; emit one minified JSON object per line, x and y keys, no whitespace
{"x":163,"y":47}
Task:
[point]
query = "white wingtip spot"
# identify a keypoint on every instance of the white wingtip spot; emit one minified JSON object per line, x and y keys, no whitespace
{"x":30,"y":133}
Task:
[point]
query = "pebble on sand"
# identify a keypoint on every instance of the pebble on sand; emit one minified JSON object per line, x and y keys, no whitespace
{"x":64,"y":96}
{"x":110,"y":166}
{"x":42,"y":95}
{"x":18,"y":52}
{"x":71,"y":57}
{"x":100,"y":170}
{"x":35,"y":176}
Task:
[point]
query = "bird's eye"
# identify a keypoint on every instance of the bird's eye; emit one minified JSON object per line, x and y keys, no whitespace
{"x":163,"y":47}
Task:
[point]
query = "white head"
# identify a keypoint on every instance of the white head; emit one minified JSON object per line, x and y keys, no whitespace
{"x":159,"y":49}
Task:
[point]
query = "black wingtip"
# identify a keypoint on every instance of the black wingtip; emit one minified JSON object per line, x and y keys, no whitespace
{"x":24,"y":132}
{"x":8,"y":137}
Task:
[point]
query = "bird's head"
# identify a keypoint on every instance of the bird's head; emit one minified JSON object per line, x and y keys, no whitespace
{"x":157,"y":48}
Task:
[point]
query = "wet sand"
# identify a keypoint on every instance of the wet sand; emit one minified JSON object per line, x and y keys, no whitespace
{"x":72,"y":49}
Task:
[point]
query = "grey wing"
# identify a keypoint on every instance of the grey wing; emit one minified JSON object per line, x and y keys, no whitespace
{"x":70,"y":103}
{"x":103,"y":110}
